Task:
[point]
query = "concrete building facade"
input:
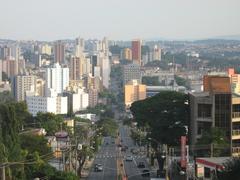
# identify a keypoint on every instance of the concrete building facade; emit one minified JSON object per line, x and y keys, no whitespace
{"x":21,"y":84}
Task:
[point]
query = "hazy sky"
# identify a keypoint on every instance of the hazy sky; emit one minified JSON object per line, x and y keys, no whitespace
{"x":118,"y":19}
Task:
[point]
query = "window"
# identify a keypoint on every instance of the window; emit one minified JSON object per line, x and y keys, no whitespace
{"x":204,"y":110}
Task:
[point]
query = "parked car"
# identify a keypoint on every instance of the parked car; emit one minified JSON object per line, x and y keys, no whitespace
{"x":141,"y":165}
{"x":129,"y":158}
{"x":145,"y":173}
{"x":98,"y":168}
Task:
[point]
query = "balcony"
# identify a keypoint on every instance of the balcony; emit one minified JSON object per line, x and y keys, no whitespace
{"x":235,"y":134}
{"x":236,"y":149}
{"x":235,"y":116}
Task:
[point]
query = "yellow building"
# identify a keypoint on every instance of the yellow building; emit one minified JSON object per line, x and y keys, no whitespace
{"x":46,"y":49}
{"x":133,"y":92}
{"x":126,"y":54}
{"x":40,"y":87}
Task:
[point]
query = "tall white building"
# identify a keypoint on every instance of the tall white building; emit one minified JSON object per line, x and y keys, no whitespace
{"x":105,"y":71}
{"x":79,"y":47}
{"x":80,"y":100}
{"x":57,"y":78}
{"x":15,"y":51}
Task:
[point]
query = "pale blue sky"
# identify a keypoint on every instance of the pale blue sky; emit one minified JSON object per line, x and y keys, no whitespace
{"x":118,"y":19}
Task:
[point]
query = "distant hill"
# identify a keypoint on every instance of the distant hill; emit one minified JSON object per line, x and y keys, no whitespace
{"x":230,"y":37}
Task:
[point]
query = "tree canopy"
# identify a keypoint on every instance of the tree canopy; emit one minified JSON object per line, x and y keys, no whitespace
{"x":164,"y":116}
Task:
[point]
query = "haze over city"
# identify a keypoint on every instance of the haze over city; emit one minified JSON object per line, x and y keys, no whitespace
{"x":125,"y":20}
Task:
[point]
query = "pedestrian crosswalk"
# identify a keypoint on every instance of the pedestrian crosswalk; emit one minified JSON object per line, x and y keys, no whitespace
{"x":103,"y":156}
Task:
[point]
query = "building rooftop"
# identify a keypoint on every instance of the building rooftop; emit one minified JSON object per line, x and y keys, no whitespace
{"x":199,"y":94}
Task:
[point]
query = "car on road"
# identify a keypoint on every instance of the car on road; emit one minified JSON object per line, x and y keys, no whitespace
{"x":129,"y":158}
{"x":145,"y":173}
{"x":141,"y":165}
{"x":98,"y":168}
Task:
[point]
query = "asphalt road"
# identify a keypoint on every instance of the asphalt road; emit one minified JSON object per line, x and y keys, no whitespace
{"x":107,"y":156}
{"x":131,"y":169}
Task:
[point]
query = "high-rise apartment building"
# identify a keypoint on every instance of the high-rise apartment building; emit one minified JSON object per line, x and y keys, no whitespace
{"x":133,"y":91}
{"x":21,"y":84}
{"x":10,"y":67}
{"x":5,"y":52}
{"x":76,"y":68}
{"x":157,"y":54}
{"x":105,"y":70}
{"x":130,"y":72}
{"x":126,"y":54}
{"x":79,"y":47}
{"x":15,"y":52}
{"x":136,"y":51}
{"x":93,"y":97}
{"x":57,"y":78}
{"x":59,"y":52}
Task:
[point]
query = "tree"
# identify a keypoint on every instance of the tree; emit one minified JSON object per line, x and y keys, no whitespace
{"x":216,"y":138}
{"x":164,"y":116}
{"x":109,"y":127}
{"x":9,"y":144}
{"x":33,"y":143}
{"x":151,"y":81}
{"x":182,"y":82}
{"x":231,"y":169}
{"x":50,"y":122}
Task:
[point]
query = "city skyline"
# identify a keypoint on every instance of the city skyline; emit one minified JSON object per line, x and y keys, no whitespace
{"x":52,"y":20}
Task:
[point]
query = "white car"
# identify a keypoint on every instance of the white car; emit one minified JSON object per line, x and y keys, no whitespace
{"x":98,"y":167}
{"x":129,"y":158}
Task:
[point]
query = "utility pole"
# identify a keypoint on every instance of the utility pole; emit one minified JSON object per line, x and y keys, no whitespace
{"x":167,"y":161}
{"x":3,"y":172}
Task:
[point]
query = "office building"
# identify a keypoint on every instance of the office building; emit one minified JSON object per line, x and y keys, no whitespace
{"x":57,"y":78}
{"x":21,"y":84}
{"x":211,"y":108}
{"x":136,"y":51}
{"x":59,"y":52}
{"x":133,"y":91}
{"x":130,"y":72}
